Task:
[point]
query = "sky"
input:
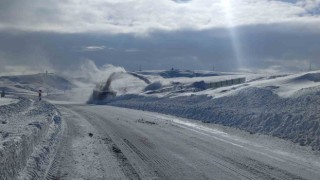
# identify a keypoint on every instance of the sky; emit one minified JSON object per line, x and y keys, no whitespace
{"x":229,"y":35}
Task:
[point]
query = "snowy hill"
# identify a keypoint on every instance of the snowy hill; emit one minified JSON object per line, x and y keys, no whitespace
{"x":34,"y":82}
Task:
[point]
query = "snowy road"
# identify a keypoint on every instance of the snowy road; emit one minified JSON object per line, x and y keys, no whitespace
{"x":102,"y":142}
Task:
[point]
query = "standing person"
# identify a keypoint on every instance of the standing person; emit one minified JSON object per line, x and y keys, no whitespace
{"x":40,"y":94}
{"x":3,"y":93}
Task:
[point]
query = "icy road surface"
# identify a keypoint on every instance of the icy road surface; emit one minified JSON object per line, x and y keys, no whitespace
{"x":102,"y":142}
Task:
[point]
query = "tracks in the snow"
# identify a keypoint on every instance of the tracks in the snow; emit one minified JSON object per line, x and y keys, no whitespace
{"x":98,"y":149}
{"x":123,"y":161}
{"x":54,"y":172}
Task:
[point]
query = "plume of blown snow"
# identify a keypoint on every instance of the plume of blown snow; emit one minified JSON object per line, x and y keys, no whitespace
{"x":94,"y":74}
{"x":86,"y":78}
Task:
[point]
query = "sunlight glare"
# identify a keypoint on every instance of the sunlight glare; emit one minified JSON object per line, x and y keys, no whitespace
{"x":236,"y":44}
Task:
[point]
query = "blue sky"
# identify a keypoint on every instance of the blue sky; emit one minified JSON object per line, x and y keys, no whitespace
{"x":259,"y":35}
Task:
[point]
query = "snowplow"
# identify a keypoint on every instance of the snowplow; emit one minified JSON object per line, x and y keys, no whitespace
{"x":102,"y":91}
{"x":102,"y":95}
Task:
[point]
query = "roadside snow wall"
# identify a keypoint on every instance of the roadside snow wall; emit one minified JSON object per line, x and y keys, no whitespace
{"x":255,"y":110}
{"x":25,"y":125}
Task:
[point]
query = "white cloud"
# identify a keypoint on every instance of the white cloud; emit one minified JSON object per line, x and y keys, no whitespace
{"x":93,"y":48}
{"x":141,"y":16}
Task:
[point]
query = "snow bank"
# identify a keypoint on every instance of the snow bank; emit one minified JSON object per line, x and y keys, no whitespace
{"x":24,"y":126}
{"x":40,"y":160}
{"x":254,"y":109}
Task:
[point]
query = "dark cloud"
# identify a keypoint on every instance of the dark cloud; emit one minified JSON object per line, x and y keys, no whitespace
{"x":280,"y":46}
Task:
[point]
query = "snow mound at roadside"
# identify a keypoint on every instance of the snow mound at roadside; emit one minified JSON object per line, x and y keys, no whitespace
{"x":23,"y":127}
{"x":253,"y":109}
